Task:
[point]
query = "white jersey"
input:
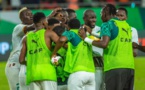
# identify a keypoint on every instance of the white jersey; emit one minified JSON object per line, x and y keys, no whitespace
{"x":134,"y":35}
{"x":17,"y":35}
{"x":96,"y":50}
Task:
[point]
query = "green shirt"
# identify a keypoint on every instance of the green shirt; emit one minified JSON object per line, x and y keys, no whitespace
{"x":109,"y":29}
{"x":72,"y":36}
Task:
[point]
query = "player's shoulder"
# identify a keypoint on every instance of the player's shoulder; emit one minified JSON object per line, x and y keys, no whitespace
{"x":97,"y":27}
{"x":30,"y":33}
{"x":49,"y":33}
{"x":18,"y":27}
{"x":133,"y":29}
{"x":68,"y":33}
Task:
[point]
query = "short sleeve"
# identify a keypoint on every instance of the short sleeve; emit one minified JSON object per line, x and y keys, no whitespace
{"x":105,"y":30}
{"x":134,"y":35}
{"x":69,"y":35}
{"x":20,"y":29}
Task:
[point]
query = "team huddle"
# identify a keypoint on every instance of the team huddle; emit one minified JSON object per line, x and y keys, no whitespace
{"x":56,"y":52}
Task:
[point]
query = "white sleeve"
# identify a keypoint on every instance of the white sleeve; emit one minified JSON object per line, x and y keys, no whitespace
{"x":134,"y":35}
{"x":96,"y":31}
{"x":20,"y":30}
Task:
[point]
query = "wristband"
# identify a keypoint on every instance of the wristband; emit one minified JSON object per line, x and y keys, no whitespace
{"x":88,"y":40}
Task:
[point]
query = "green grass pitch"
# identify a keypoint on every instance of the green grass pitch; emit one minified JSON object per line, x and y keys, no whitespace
{"x":139,"y":74}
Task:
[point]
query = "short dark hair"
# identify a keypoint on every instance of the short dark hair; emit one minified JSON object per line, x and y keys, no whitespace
{"x":58,"y":30}
{"x":124,"y":9}
{"x":52,"y":21}
{"x":69,"y":11}
{"x":38,"y":16}
{"x":74,"y":24}
{"x":87,"y":12}
{"x":110,"y":9}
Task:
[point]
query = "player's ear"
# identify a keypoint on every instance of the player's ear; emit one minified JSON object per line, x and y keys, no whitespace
{"x":44,"y":23}
{"x":22,"y":19}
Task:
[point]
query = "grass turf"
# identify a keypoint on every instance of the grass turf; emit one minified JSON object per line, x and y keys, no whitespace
{"x":139,"y":75}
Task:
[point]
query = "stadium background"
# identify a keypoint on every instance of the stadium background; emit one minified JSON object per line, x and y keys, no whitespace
{"x":9,"y":18}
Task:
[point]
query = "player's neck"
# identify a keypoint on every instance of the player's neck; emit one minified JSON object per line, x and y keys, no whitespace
{"x":39,"y":28}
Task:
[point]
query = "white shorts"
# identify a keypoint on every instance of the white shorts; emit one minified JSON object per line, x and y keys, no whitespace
{"x":99,"y":78}
{"x":12,"y":73}
{"x":81,"y":80}
{"x":22,"y":78}
{"x":43,"y":85}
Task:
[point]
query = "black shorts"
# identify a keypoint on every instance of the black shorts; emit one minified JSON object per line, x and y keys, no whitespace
{"x":119,"y":79}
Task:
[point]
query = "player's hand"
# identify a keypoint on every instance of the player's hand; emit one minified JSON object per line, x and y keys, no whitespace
{"x":88,"y":29}
{"x":54,"y":12}
{"x":82,"y":32}
{"x":135,"y":45}
{"x":134,"y":52}
{"x":54,"y":60}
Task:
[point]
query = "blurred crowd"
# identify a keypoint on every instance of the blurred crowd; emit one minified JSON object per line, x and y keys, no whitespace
{"x":50,"y":4}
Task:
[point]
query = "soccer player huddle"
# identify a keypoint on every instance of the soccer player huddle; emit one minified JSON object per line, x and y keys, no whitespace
{"x":56,"y":52}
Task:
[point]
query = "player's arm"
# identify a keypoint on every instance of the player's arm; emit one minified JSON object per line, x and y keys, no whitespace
{"x":61,"y":41}
{"x":134,"y":39}
{"x":54,"y":12}
{"x":59,"y":44}
{"x":21,"y":30}
{"x":141,"y":48}
{"x":23,"y":52}
{"x":28,"y":28}
{"x":55,"y":38}
{"x":103,"y":43}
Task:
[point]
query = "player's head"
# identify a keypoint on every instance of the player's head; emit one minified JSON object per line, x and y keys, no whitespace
{"x":52,"y":22}
{"x":90,"y":18}
{"x":59,"y":30}
{"x":121,"y":13}
{"x":71,"y":13}
{"x":74,"y":24}
{"x":62,"y":16}
{"x":108,"y":12}
{"x":39,"y":19}
{"x":26,"y":16}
